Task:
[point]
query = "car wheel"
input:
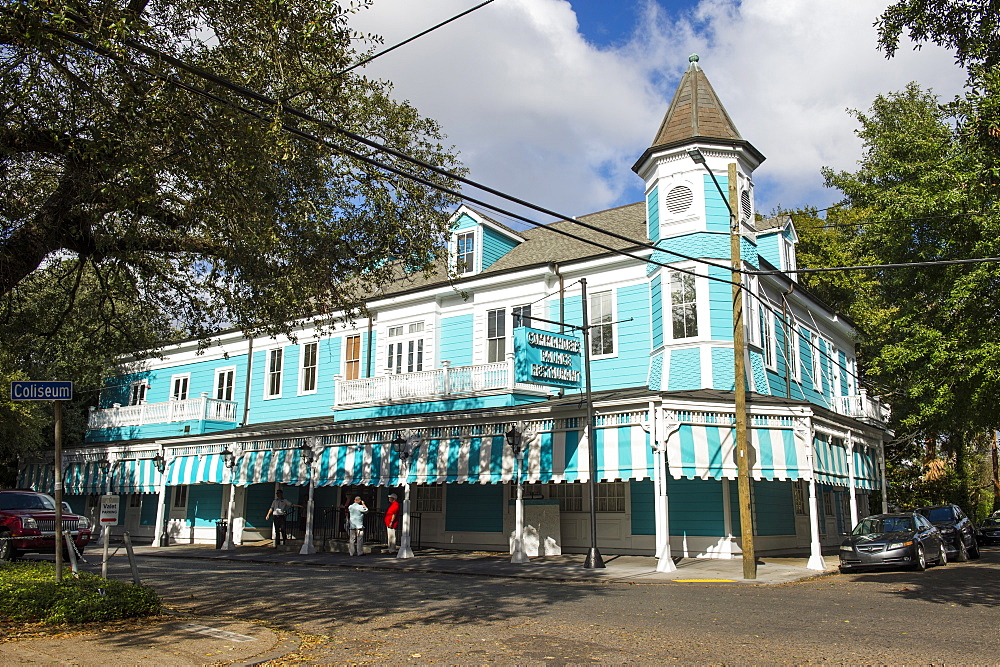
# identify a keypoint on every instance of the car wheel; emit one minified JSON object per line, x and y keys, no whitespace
{"x":963,"y":553}
{"x":920,"y":562}
{"x":974,"y":549}
{"x":7,"y":550}
{"x":943,"y":558}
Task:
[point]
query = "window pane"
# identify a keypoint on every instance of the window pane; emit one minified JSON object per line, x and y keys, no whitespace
{"x":352,"y":359}
{"x":602,"y":329}
{"x":496,"y":335}
{"x":683,"y":305}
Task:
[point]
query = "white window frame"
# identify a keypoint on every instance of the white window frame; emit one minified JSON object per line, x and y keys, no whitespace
{"x":684,"y":277}
{"x":569,"y":495}
{"x":348,"y":360}
{"x":816,"y":356}
{"x":181,"y":391}
{"x":852,"y":376}
{"x":520,"y":316}
{"x":611,"y":497}
{"x":768,"y":338}
{"x":137,"y":392}
{"x":496,"y":345}
{"x":270,"y":374}
{"x":428,"y":498}
{"x":221,"y":372}
{"x":406,"y":346}
{"x":306,"y":371}
{"x":472,"y":253}
{"x":179,"y":493}
{"x":835,"y":371}
{"x":795,"y":351}
{"x":612,"y":324}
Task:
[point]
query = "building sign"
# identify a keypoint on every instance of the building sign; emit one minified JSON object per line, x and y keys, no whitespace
{"x":36,"y":390}
{"x":109,"y":510}
{"x":547,"y":358}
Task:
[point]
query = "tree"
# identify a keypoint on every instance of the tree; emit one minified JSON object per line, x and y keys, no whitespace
{"x":930,"y":330}
{"x":184,"y":205}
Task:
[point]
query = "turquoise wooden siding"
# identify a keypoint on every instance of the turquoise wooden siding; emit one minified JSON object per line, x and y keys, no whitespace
{"x":204,"y":504}
{"x":258,"y":500}
{"x":720,"y":305}
{"x":716,"y":212}
{"x":474,"y":508}
{"x":685,"y":369}
{"x":643,"y":511}
{"x":773,"y":508}
{"x":147,"y":513}
{"x":769,"y":247}
{"x":656,"y":298}
{"x":655,"y":381}
{"x":455,"y":343}
{"x":723,"y":369}
{"x":316,"y":404}
{"x":759,"y":374}
{"x":695,"y":507}
{"x":653,"y":215}
{"x":465,"y":221}
{"x":495,"y":246}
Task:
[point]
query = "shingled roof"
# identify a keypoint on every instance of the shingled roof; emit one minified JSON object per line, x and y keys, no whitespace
{"x":696,"y":115}
{"x":542,"y":245}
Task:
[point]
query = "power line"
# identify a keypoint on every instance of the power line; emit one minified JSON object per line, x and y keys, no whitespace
{"x":876,"y":267}
{"x":367,"y":60}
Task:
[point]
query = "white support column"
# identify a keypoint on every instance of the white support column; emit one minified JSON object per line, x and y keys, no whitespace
{"x":307,"y":542}
{"x":885,"y":483}
{"x":159,"y":538}
{"x":816,"y":561}
{"x":404,"y":537}
{"x":665,"y":560}
{"x":652,"y":427}
{"x":517,"y":555}
{"x":851,"y":483}
{"x":729,"y":546}
{"x":227,"y":545}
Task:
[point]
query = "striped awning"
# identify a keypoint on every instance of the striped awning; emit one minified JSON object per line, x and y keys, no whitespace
{"x":702,"y":451}
{"x":85,"y":477}
{"x":549,"y":456}
{"x":135,"y":476}
{"x":830,"y":461}
{"x":866,"y":475}
{"x":284,"y":465}
{"x":196,"y":469}
{"x":39,"y":477}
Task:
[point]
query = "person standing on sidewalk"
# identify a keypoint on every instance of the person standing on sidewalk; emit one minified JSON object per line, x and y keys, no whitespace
{"x":357,"y":510}
{"x":280,"y":507}
{"x":392,"y":522}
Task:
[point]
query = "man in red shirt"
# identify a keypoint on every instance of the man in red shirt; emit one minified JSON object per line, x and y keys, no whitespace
{"x":392,"y":521}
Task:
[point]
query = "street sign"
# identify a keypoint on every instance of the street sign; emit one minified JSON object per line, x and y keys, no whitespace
{"x":41,"y":390}
{"x":109,"y":510}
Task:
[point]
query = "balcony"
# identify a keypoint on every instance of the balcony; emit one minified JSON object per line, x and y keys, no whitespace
{"x":445,"y":382}
{"x":146,"y":414}
{"x":865,"y":408}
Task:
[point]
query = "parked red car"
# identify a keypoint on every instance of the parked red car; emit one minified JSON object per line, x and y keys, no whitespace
{"x":28,"y":523}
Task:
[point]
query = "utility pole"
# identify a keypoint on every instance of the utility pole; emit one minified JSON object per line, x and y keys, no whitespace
{"x":739,"y":350}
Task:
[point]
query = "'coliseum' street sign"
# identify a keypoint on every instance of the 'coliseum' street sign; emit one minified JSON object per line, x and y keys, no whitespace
{"x":41,"y":390}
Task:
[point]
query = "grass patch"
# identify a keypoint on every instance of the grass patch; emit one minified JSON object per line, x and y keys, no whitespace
{"x":29,"y":592}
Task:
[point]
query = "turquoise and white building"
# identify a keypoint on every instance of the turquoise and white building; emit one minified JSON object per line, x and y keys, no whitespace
{"x":446,"y":360}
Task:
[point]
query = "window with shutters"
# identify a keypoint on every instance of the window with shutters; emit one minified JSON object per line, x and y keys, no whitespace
{"x":352,"y":357}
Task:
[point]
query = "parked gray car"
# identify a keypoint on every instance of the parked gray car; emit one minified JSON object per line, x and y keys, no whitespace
{"x":956,"y":528}
{"x":903,"y":539}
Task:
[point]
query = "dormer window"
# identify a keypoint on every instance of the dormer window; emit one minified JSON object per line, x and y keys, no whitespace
{"x":465,"y":253}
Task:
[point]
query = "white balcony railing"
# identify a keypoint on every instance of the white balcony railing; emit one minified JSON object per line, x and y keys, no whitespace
{"x":444,"y":381}
{"x":191,"y":409}
{"x":863,"y":407}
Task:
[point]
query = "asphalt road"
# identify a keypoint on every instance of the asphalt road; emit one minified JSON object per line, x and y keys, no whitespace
{"x":944,"y":615}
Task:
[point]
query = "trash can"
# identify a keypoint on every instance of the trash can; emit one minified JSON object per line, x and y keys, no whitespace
{"x":221,"y":526}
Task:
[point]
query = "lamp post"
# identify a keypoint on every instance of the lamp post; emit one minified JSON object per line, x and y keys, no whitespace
{"x":405,"y":448}
{"x":308,"y":456}
{"x":229,"y":456}
{"x":593,"y":559}
{"x":515,"y":441}
{"x":739,"y":379}
{"x":160,"y":538}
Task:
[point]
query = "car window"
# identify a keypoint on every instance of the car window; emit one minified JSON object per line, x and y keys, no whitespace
{"x":938,"y":514}
{"x":26,"y":501}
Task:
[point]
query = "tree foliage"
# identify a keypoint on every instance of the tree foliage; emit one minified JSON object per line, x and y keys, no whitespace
{"x":186,"y":205}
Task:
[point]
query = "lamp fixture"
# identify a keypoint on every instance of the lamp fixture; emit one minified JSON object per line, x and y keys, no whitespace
{"x":514,"y":439}
{"x":696,"y":155}
{"x":307,"y":452}
{"x":160,"y":463}
{"x":227,"y":456}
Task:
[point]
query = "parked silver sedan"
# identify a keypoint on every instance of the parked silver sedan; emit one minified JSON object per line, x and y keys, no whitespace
{"x":905,"y":539}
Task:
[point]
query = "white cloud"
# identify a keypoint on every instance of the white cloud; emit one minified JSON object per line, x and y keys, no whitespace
{"x":538,"y":112}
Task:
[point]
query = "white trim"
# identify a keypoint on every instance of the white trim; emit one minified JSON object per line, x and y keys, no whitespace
{"x":615,"y":341}
{"x":302,"y":369}
{"x":267,"y":372}
{"x":174,"y":396}
{"x":215,"y":383}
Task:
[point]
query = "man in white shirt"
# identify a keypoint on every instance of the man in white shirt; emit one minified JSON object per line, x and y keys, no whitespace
{"x":280,"y":507}
{"x":356,"y":545}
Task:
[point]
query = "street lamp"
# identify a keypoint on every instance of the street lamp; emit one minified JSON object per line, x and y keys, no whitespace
{"x":160,"y":463}
{"x":229,"y":458}
{"x":230,"y":455}
{"x":405,"y":448}
{"x":515,"y":440}
{"x":308,"y":456}
{"x":739,"y":376}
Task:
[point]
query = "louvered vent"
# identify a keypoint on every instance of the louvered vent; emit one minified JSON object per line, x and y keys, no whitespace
{"x":679,"y":199}
{"x":745,"y":207}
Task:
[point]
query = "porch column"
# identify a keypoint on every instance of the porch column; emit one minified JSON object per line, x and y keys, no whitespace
{"x":816,"y":561}
{"x":727,"y":548}
{"x":227,"y":545}
{"x":663,"y":431}
{"x":851,"y":482}
{"x":160,"y":538}
{"x":885,"y":484}
{"x":313,"y":453}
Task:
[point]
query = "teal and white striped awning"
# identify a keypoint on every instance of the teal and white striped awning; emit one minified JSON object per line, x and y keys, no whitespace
{"x":196,"y":469}
{"x":263,"y":466}
{"x":549,"y":456}
{"x":702,"y":451}
{"x":866,"y":474}
{"x":85,"y":477}
{"x":40,"y":477}
{"x":831,"y":460}
{"x":135,"y":476}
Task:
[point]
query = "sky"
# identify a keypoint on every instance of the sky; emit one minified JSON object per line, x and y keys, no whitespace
{"x":553,"y":101}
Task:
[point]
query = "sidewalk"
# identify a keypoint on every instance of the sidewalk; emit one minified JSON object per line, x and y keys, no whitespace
{"x":619,"y":569}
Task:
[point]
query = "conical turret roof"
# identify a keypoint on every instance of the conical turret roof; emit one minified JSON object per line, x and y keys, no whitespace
{"x":696,"y":115}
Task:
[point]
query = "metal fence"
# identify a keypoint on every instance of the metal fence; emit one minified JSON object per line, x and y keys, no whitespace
{"x":331,"y":524}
